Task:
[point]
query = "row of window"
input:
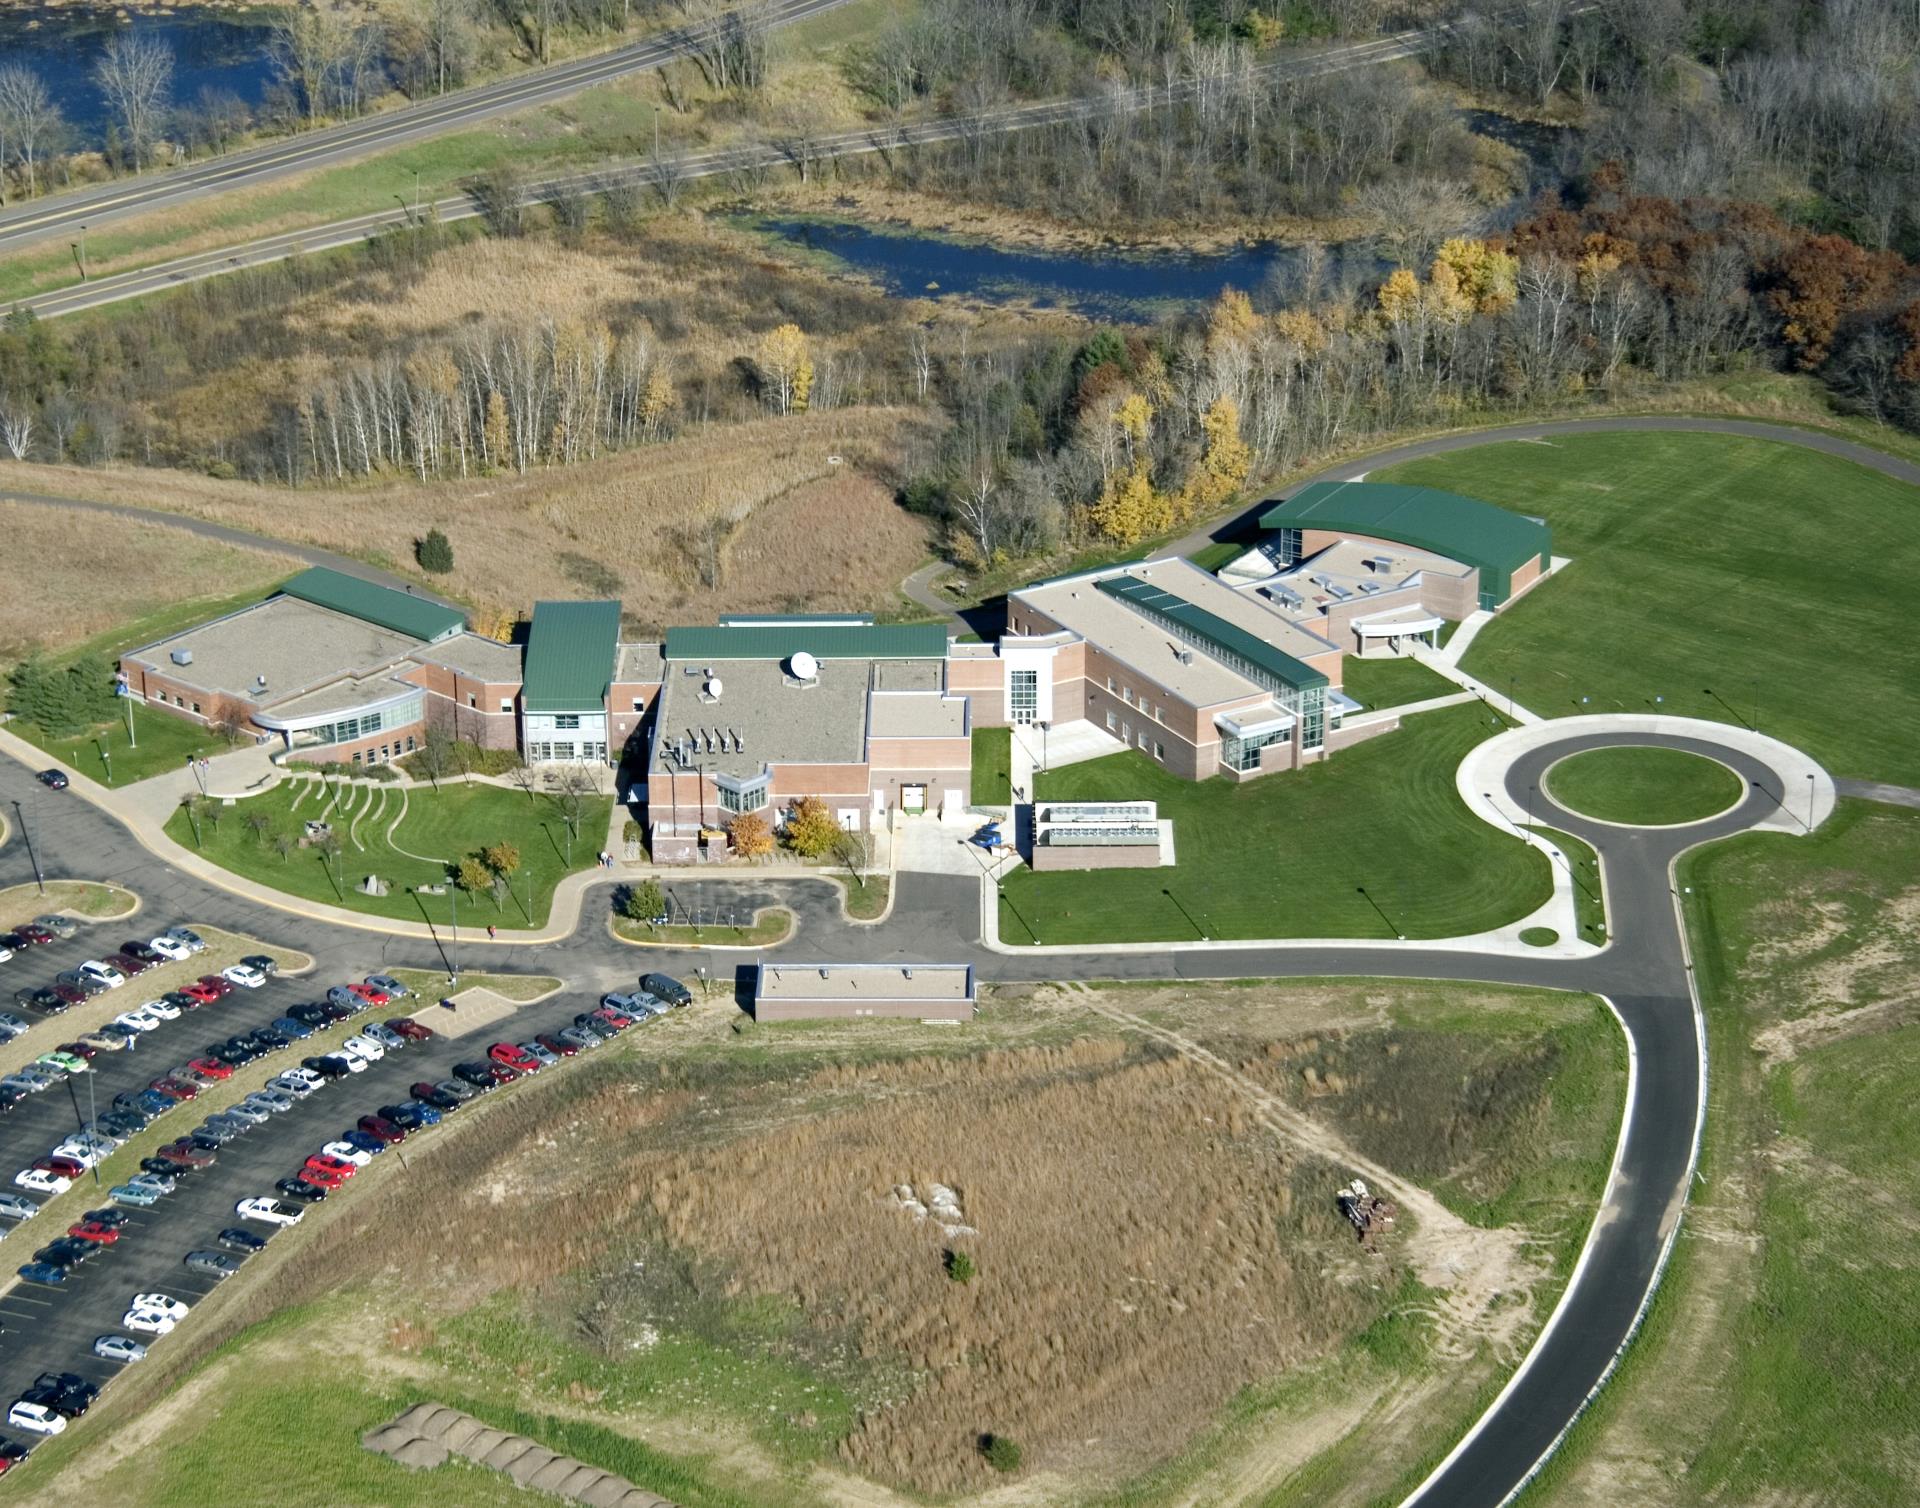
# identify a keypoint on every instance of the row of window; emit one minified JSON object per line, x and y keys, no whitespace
{"x":1138,"y":740}
{"x":564,"y":751}
{"x":1126,"y":695}
{"x":385,"y":752}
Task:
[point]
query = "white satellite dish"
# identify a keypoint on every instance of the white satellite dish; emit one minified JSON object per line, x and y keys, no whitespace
{"x":713,"y":687}
{"x":804,"y":666}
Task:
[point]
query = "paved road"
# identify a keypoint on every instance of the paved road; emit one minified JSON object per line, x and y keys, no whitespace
{"x":60,"y":215}
{"x":1644,"y":974}
{"x":800,"y":150}
{"x":1879,"y":790}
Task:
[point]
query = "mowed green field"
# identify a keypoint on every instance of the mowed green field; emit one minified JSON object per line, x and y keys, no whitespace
{"x":1776,"y":1364}
{"x":1721,"y":574}
{"x":439,"y":828}
{"x":1374,"y":842}
{"x":1644,"y":787}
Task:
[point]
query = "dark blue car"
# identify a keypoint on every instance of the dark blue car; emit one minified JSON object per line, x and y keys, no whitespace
{"x":44,"y":1272}
{"x":359,"y":1140}
{"x":298,"y":1031}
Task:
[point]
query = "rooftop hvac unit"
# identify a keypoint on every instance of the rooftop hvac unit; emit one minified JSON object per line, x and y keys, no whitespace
{"x":181,"y":657}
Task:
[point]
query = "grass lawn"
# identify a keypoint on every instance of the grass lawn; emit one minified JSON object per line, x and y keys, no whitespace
{"x":770,"y":925}
{"x":1589,"y":896}
{"x":1392,"y":681}
{"x":439,"y":828}
{"x":159,"y":743}
{"x":1701,"y":565}
{"x":1776,"y":1362}
{"x":1374,"y":842}
{"x":992,"y":767}
{"x":1645,"y":787}
{"x":96,"y":903}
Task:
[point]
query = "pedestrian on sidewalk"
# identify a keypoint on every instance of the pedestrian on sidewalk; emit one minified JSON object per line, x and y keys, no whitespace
{"x":493,"y":932}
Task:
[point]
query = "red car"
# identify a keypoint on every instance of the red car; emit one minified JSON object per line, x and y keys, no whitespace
{"x":382,"y":1129}
{"x":618,"y":1020}
{"x":67,"y":994}
{"x":84,"y":1050}
{"x":202,"y":993}
{"x":211,"y":1068}
{"x":555,"y":1046}
{"x":513,"y":1056}
{"x":127,"y":964}
{"x":60,"y":1167}
{"x":502,"y":1074}
{"x":411,"y":1029}
{"x":369,"y":994}
{"x":94,"y":1231}
{"x":35,"y":934}
{"x":337,"y":1167}
{"x":175,"y":1087}
{"x":187,"y":1154}
{"x":221,"y":987}
{"x":320,"y":1178}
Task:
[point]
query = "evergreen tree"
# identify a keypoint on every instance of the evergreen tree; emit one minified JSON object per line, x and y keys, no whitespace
{"x":435,"y":553}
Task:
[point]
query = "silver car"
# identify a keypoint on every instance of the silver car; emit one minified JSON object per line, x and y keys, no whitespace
{"x":121,"y":1348}
{"x":252,"y":1114}
{"x":58,"y":925}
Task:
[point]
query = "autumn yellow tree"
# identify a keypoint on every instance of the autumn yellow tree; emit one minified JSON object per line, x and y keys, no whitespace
{"x":786,"y":365}
{"x":1129,"y":509}
{"x":1223,"y":464}
{"x":1232,"y":320}
{"x":811,"y":830}
{"x":657,"y":401}
{"x":750,"y":836}
{"x":1487,"y":276}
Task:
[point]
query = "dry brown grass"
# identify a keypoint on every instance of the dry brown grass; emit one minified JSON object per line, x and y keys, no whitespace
{"x":798,"y":529}
{"x":72,"y":575}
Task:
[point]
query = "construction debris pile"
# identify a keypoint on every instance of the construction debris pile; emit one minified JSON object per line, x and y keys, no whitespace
{"x":941,"y":1203}
{"x":1369,"y":1214}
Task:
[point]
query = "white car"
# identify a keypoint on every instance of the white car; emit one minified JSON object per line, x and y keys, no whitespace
{"x":41,"y":1181}
{"x":299,"y":1088}
{"x":160,"y":1010}
{"x":118,"y":1348}
{"x":188,"y":938}
{"x":148,"y":1321}
{"x":5,"y":953}
{"x":243,"y":974}
{"x":163,"y":1303}
{"x":85,"y":1156}
{"x":346,"y":1151}
{"x":169,"y":946}
{"x":36,"y":1417}
{"x":106,"y":973}
{"x":135,"y":1021}
{"x":268,"y":1212}
{"x":365,"y":1048}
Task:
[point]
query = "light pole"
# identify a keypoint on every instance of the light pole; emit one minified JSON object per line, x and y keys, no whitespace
{"x":133,"y":740}
{"x":20,"y":821}
{"x":453,"y":943}
{"x":106,"y":759}
{"x":1809,"y":801}
{"x":1043,"y":749}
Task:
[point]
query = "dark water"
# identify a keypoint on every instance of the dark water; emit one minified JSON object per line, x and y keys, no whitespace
{"x":212,"y":50}
{"x":1115,"y":285}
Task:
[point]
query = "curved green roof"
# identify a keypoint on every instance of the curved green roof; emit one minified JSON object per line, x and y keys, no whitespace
{"x":1461,"y":528}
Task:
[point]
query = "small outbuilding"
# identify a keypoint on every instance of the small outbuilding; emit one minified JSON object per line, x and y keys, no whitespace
{"x":817,"y":991}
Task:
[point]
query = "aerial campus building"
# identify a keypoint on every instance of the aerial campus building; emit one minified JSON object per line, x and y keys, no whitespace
{"x":1236,"y":674}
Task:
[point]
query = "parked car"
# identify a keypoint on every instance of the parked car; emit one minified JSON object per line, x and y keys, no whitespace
{"x":267,"y":1039}
{"x":372,"y":994}
{"x":265,"y":963}
{"x":37,"y":936}
{"x":77,"y":988}
{"x":218,"y":983}
{"x":12,"y":1023}
{"x":96,"y":1231}
{"x":292,"y":1030}
{"x":392,"y":988}
{"x":478,"y":1075}
{"x":287,"y":1084}
{"x":211,"y":1068}
{"x":555,"y":1045}
{"x":44,"y":1273}
{"x":273,"y":1101}
{"x":329,"y":1067}
{"x":136,"y":1194}
{"x":121,"y":1348}
{"x":170,"y":948}
{"x":38,"y":1417}
{"x":314,"y":1016}
{"x":381,"y":1129}
{"x":411,"y":1029}
{"x":246,"y":975}
{"x":17,"y":1207}
{"x":212,"y":1264}
{"x":42,"y":1181}
{"x":188,"y":937}
{"x":301,"y":1190}
{"x":436,"y":1097}
{"x":108,"y":974}
{"x":346,"y":1151}
{"x":175,"y":1087}
{"x":458,"y":1089}
{"x":148,"y":1321}
{"x":363,"y":1047}
{"x":514,"y":1056}
{"x":541,"y":1055}
{"x":242,"y":1241}
{"x":666,"y":987}
{"x":320,"y":1178}
{"x":57,"y":924}
{"x":12,"y":1453}
{"x":253,"y":1115}
{"x":578,"y":1037}
{"x":160,"y":1183}
{"x":267,"y":1212}
{"x":162,"y":1009}
{"x":188,"y":1155}
{"x":385,"y":1035}
{"x":126,"y":965}
{"x":360,"y":1141}
{"x":54,"y":780}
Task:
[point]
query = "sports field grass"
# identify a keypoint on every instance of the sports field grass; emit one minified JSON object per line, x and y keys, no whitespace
{"x":1374,"y":842}
{"x":1714,"y":577}
{"x":1391,"y":682}
{"x":992,"y":767}
{"x":1776,"y":1363}
{"x":1645,"y":787}
{"x":440,"y":827}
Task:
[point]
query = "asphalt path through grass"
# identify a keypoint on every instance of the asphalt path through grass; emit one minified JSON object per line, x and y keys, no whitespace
{"x":1644,"y":973}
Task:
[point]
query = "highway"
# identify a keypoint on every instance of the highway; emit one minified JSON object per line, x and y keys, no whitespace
{"x":58,"y":215}
{"x":799,"y":152}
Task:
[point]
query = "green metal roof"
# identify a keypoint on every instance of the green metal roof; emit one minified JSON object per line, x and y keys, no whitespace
{"x":884,"y":641}
{"x":1212,"y":630}
{"x":1445,"y":523}
{"x":570,"y":655}
{"x":402,"y":612}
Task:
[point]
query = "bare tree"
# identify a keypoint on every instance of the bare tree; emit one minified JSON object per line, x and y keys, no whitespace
{"x":29,"y":121}
{"x":731,"y":42}
{"x":447,"y":37}
{"x":308,"y":46}
{"x":16,"y":426}
{"x":135,"y":73}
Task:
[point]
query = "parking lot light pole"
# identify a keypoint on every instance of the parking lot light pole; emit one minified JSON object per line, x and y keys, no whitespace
{"x":106,"y":761}
{"x":20,"y":821}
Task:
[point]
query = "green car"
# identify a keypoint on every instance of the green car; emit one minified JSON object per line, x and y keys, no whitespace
{"x":133,"y":1193}
{"x":66,"y":1061}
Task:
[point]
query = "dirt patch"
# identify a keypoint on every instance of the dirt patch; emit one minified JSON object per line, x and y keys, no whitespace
{"x":90,"y":904}
{"x":1823,"y":995}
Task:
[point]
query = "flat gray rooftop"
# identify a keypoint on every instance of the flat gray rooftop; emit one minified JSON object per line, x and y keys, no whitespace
{"x":916,"y":714}
{"x":641,"y":664}
{"x":296,"y":645}
{"x":471,"y":655}
{"x":933,"y":983}
{"x":348,"y":694}
{"x":777,"y":721}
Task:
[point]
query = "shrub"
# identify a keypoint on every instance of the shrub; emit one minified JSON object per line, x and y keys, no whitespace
{"x":1002,"y":1454}
{"x":632,"y":832}
{"x":435,"y":553}
{"x":960,"y":1266}
{"x":458,"y":757}
{"x":643,"y":902}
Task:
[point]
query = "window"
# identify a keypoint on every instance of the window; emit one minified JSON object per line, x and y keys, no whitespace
{"x":506,"y":704}
{"x":538,"y":752}
{"x":1112,"y":722}
{"x":409,"y":743}
{"x":1243,"y":754}
{"x":1023,"y":696}
{"x":1109,"y":683}
{"x":1159,"y":751}
{"x":566,"y":722}
{"x":472,"y":700}
{"x":562,"y":750}
{"x":1126,"y":695}
{"x":594,"y":751}
{"x":356,"y":757}
{"x":196,"y":709}
{"x":1141,"y":741}
{"x":639,"y":705}
{"x":743,"y":795}
{"x":1126,"y":732}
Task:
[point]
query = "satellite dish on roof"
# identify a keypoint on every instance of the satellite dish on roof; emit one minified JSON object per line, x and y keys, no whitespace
{"x":803,"y":665}
{"x":714,"y":687}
